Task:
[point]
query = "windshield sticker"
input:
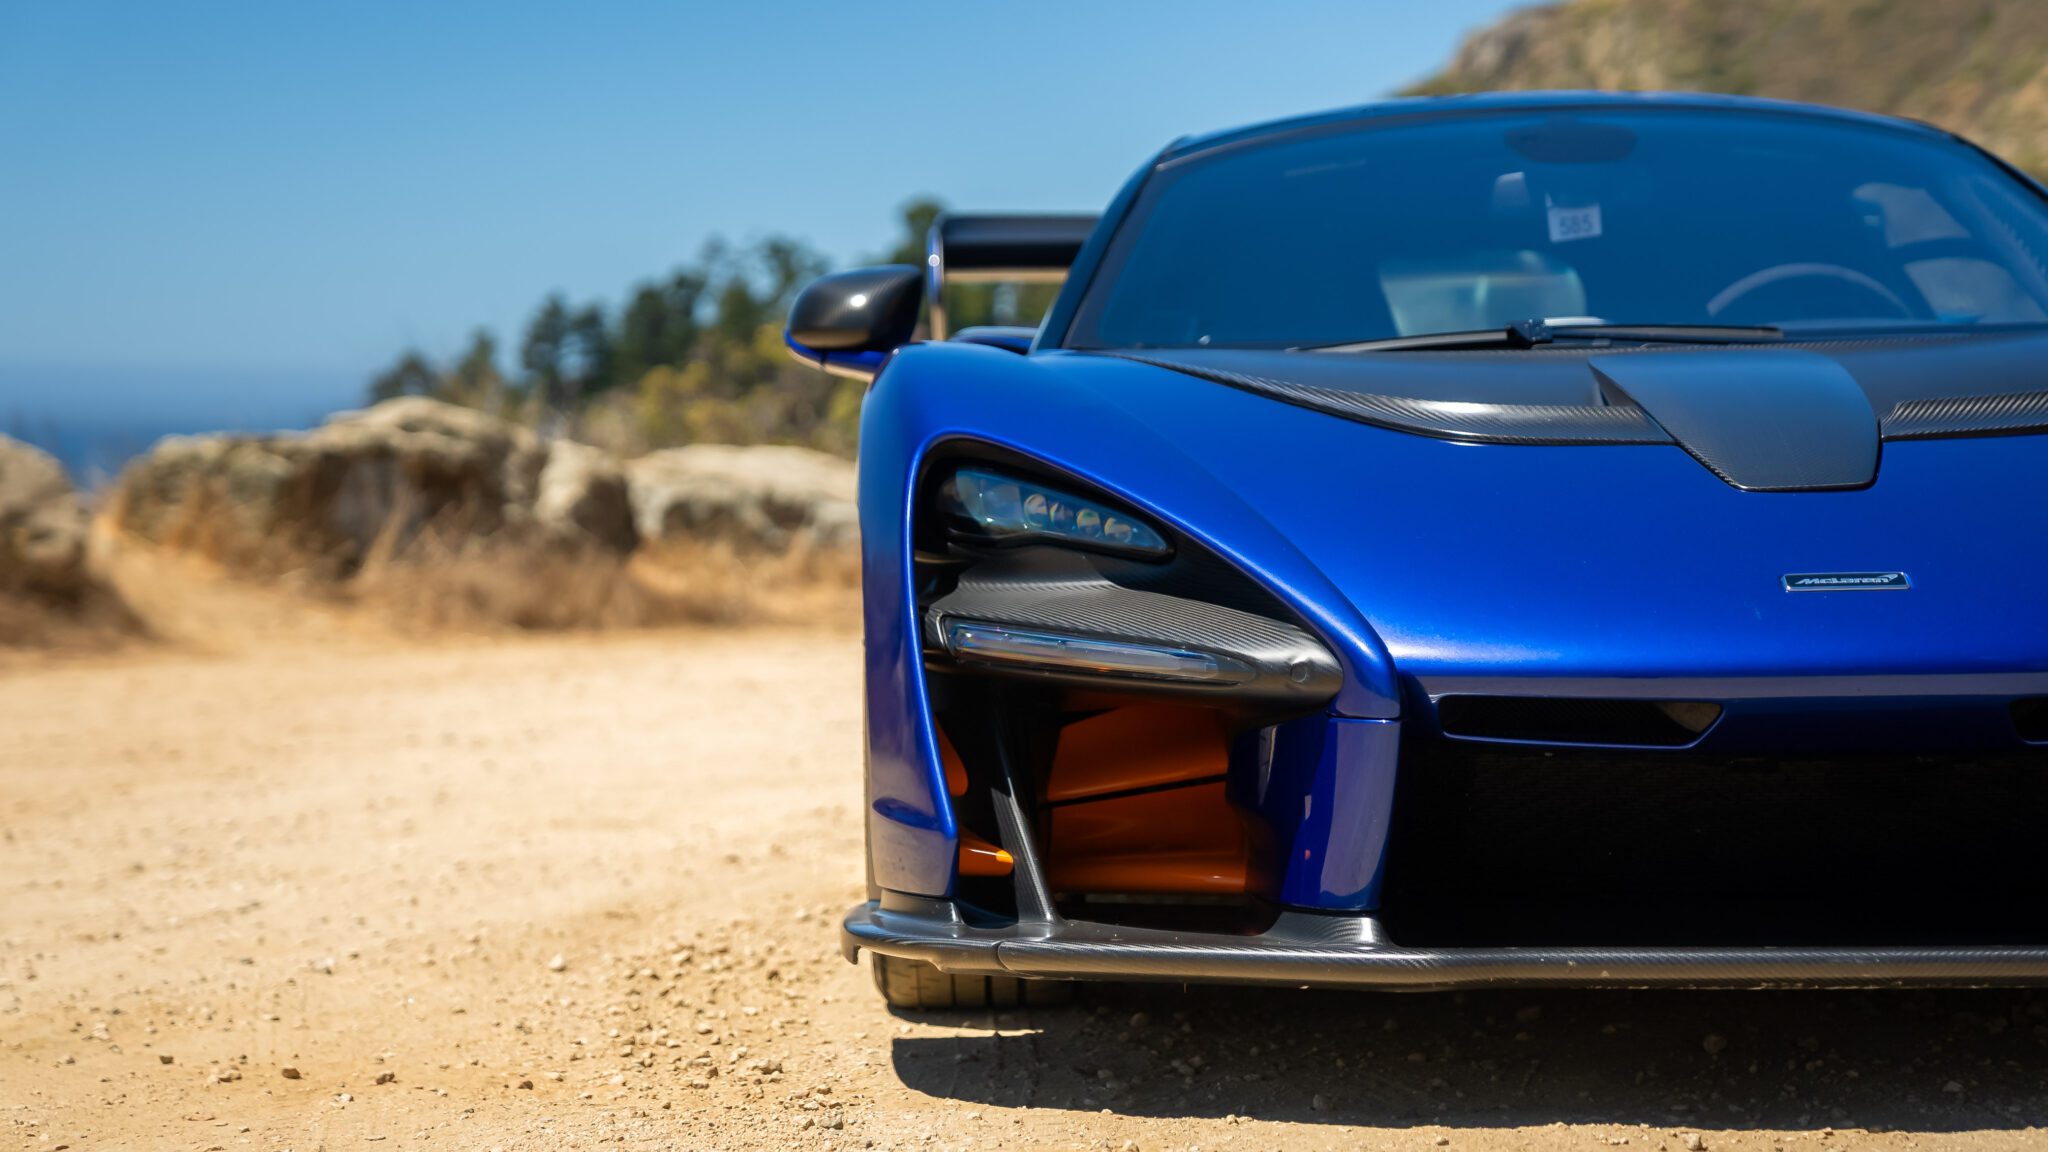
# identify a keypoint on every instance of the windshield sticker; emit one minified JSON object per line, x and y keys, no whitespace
{"x":1580,"y":223}
{"x":1510,"y":193}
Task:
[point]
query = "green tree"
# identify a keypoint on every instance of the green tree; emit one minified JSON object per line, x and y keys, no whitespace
{"x":755,"y":286}
{"x":411,"y":375}
{"x":643,"y":334}
{"x":588,"y":355}
{"x":787,"y":265}
{"x":475,"y":379}
{"x":917,"y":215}
{"x":739,"y":310}
{"x":685,"y":298}
{"x":659,"y":325}
{"x":697,"y":357}
{"x":542,"y":352}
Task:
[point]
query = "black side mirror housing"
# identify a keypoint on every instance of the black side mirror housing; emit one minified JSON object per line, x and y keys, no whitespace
{"x":848,"y":322}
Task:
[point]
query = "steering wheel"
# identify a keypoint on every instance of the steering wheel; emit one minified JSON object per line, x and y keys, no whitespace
{"x":1728,"y":297}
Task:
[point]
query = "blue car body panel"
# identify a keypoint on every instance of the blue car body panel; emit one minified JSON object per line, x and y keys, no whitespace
{"x":1433,"y":566}
{"x":945,"y":392}
{"x":1329,"y":797}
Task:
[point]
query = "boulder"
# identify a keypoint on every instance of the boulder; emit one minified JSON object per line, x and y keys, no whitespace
{"x":391,"y":470}
{"x":582,"y":498}
{"x":765,"y":498}
{"x":462,"y":514}
{"x":324,"y":501}
{"x":44,"y":526}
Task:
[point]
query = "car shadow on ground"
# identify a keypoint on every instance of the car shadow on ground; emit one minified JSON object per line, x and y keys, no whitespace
{"x":1917,"y":1060}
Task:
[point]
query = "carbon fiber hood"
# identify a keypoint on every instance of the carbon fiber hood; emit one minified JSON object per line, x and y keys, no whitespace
{"x":1482,"y":558}
{"x":1776,"y":417}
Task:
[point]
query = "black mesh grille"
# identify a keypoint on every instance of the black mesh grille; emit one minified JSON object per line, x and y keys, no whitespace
{"x":2030,"y":716}
{"x":1564,"y":720}
{"x":1513,"y":846}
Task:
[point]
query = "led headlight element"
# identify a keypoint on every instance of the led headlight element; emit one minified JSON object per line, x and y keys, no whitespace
{"x":1060,"y":652}
{"x":1007,"y":508}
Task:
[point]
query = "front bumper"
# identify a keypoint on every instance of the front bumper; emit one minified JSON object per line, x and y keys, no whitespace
{"x":1332,"y":951}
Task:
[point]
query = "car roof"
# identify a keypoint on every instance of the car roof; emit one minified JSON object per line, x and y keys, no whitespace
{"x":1412,"y":107}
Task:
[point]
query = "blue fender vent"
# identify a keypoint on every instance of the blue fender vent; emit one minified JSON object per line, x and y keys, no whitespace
{"x":1576,"y":720}
{"x":2030,"y":716}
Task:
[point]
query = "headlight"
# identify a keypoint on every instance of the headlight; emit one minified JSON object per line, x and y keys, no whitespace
{"x":1061,"y":652}
{"x":1007,"y":509}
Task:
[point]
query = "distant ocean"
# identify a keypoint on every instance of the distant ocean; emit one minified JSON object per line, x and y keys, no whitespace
{"x":95,"y":419}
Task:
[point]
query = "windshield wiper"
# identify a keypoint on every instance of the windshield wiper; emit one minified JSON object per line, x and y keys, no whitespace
{"x":1530,"y":333}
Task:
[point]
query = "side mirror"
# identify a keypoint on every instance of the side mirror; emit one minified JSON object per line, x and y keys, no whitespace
{"x":848,"y":323}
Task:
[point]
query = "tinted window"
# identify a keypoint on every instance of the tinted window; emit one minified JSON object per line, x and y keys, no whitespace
{"x":1626,"y":217}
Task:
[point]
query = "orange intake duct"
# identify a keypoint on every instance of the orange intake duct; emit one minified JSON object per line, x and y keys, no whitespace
{"x":978,"y":857}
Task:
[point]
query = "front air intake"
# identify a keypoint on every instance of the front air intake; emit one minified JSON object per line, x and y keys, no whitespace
{"x":1497,"y":845}
{"x":2030,"y":716}
{"x":1572,"y":720}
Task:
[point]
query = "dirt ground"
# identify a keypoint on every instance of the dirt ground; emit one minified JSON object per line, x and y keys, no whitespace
{"x":576,"y":893}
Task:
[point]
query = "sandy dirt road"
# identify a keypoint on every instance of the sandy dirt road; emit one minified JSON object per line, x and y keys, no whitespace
{"x":582,"y":893}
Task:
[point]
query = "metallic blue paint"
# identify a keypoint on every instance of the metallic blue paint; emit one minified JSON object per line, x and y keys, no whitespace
{"x":1517,"y":568}
{"x":1324,"y":788}
{"x":859,"y":365}
{"x":1028,"y":404}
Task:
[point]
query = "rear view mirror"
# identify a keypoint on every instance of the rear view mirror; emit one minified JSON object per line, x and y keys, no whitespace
{"x":849,"y":322}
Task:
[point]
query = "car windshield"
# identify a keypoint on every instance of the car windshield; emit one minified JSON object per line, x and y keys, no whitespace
{"x":1625,"y":217}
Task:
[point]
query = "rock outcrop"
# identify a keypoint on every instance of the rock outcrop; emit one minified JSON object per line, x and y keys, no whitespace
{"x":44,"y":526}
{"x":325,"y":499}
{"x":767,"y":498}
{"x":419,"y":478}
{"x":583,"y":496}
{"x":51,"y":593}
{"x":1978,"y":67}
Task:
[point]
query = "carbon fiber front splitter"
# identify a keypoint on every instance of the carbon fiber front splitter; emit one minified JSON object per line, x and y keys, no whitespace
{"x":1308,"y":950}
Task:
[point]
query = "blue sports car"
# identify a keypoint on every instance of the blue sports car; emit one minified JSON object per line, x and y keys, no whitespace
{"x":1557,"y":538}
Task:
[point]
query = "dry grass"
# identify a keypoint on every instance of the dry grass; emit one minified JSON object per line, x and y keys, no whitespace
{"x":77,"y":612}
{"x":428,"y":587}
{"x":440,"y":576}
{"x":96,"y":621}
{"x":481,"y":586}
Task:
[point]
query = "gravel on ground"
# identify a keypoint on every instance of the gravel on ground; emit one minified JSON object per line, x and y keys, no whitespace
{"x":584,"y":892}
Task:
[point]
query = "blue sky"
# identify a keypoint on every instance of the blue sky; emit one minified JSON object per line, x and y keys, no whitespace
{"x":257,"y":204}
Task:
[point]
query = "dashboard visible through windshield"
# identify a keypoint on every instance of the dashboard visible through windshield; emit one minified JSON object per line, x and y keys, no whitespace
{"x":1599,"y":216}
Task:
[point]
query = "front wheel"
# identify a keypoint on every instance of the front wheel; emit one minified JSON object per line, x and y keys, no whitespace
{"x":917,"y":985}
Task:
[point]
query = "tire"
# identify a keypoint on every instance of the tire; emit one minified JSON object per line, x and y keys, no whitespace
{"x":918,"y":986}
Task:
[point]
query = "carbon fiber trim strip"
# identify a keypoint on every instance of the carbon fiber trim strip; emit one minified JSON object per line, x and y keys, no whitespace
{"x":1296,"y":953}
{"x":1939,"y":417}
{"x":2008,"y":414}
{"x":1559,"y":424}
{"x":1453,"y":421}
{"x":1053,"y":591}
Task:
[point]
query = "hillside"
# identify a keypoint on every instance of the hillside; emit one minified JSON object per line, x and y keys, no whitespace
{"x":1978,"y":67}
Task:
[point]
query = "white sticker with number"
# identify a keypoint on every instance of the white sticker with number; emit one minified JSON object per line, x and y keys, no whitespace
{"x":1580,"y":223}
